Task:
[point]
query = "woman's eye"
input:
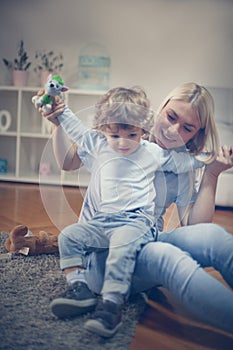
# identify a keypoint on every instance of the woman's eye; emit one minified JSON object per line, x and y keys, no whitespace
{"x":171,"y":117}
{"x":187,"y":129}
{"x":114,"y":136}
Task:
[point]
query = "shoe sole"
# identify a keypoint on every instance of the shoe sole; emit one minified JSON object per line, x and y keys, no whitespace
{"x":97,"y":327}
{"x":64,"y":308}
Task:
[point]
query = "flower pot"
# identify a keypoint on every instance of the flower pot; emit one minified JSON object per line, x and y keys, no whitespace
{"x":20,"y":77}
{"x":44,"y":74}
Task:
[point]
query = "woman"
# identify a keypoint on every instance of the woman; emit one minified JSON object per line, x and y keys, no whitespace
{"x":177,"y":259}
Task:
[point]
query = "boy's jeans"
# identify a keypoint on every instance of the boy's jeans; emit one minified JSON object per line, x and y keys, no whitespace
{"x":123,"y":234}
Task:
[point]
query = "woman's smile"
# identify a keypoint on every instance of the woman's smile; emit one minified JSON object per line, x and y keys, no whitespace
{"x":176,"y":125}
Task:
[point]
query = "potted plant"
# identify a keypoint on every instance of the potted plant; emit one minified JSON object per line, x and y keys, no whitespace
{"x":48,"y":63}
{"x":19,"y":66}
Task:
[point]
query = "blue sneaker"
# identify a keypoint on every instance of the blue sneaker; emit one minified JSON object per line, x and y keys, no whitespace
{"x":77,"y":300}
{"x":106,"y":320}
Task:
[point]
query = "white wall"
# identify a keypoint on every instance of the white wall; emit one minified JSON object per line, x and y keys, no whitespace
{"x":157,"y":44}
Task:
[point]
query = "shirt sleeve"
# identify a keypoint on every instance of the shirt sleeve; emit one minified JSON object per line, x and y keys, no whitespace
{"x":87,"y":140}
{"x":74,"y":127}
{"x":177,"y":188}
{"x":179,"y":162}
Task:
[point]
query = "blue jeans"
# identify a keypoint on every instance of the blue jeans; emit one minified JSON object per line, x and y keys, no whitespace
{"x":208,"y":244}
{"x":123,"y":234}
{"x":178,"y":269}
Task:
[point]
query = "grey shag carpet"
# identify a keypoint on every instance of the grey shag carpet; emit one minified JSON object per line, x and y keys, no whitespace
{"x":27,"y":286}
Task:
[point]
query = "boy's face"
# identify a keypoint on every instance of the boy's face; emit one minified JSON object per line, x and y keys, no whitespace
{"x":123,"y":141}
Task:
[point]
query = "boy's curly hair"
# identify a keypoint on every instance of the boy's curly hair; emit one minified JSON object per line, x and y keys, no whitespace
{"x":125,"y":108}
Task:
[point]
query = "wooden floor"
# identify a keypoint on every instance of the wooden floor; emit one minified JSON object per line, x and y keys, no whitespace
{"x":165,"y":325}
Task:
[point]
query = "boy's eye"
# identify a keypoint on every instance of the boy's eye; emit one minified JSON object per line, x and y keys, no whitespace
{"x":132,"y":135}
{"x":114,"y":136}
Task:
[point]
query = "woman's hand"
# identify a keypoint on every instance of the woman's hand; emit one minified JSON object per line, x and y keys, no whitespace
{"x":223,"y":161}
{"x":204,"y":207}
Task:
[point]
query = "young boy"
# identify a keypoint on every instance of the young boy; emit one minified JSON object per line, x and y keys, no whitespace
{"x":125,"y":166}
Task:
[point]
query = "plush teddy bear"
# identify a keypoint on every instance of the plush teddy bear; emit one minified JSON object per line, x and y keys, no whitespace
{"x":21,"y":241}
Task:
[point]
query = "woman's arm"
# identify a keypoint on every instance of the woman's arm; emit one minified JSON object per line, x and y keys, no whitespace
{"x":204,"y":206}
{"x":64,"y":150}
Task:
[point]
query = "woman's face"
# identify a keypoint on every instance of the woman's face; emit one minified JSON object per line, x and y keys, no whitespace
{"x":176,"y":125}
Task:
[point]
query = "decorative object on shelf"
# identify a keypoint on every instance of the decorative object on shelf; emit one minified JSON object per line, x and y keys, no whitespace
{"x":44,"y":74}
{"x":20,"y":77}
{"x":94,"y":68}
{"x":5,"y":120}
{"x":19,"y":66}
{"x":3,"y":166}
{"x":45,"y":169}
{"x":53,"y":87}
{"x":48,"y":63}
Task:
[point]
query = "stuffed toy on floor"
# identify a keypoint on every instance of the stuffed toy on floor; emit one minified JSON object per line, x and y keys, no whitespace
{"x":21,"y":241}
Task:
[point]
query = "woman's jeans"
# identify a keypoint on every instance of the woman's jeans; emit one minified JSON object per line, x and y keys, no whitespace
{"x":175,"y":262}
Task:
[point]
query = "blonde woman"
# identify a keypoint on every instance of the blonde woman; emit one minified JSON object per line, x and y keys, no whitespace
{"x":176,"y":261}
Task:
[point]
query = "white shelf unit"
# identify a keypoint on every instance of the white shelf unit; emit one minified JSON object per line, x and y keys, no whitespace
{"x":27,"y":143}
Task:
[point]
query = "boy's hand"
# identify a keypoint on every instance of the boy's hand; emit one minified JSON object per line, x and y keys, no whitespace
{"x":58,"y":107}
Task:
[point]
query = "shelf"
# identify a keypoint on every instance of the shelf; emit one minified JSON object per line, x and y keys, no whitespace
{"x":19,"y":88}
{"x":37,"y":88}
{"x":35,"y":135}
{"x":8,"y":133}
{"x":26,"y":145}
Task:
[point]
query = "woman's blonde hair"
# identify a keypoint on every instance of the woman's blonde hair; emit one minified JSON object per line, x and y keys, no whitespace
{"x":126,"y":108}
{"x":206,"y":139}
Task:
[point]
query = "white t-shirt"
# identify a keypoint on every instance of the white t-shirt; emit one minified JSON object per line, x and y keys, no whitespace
{"x":124,"y":182}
